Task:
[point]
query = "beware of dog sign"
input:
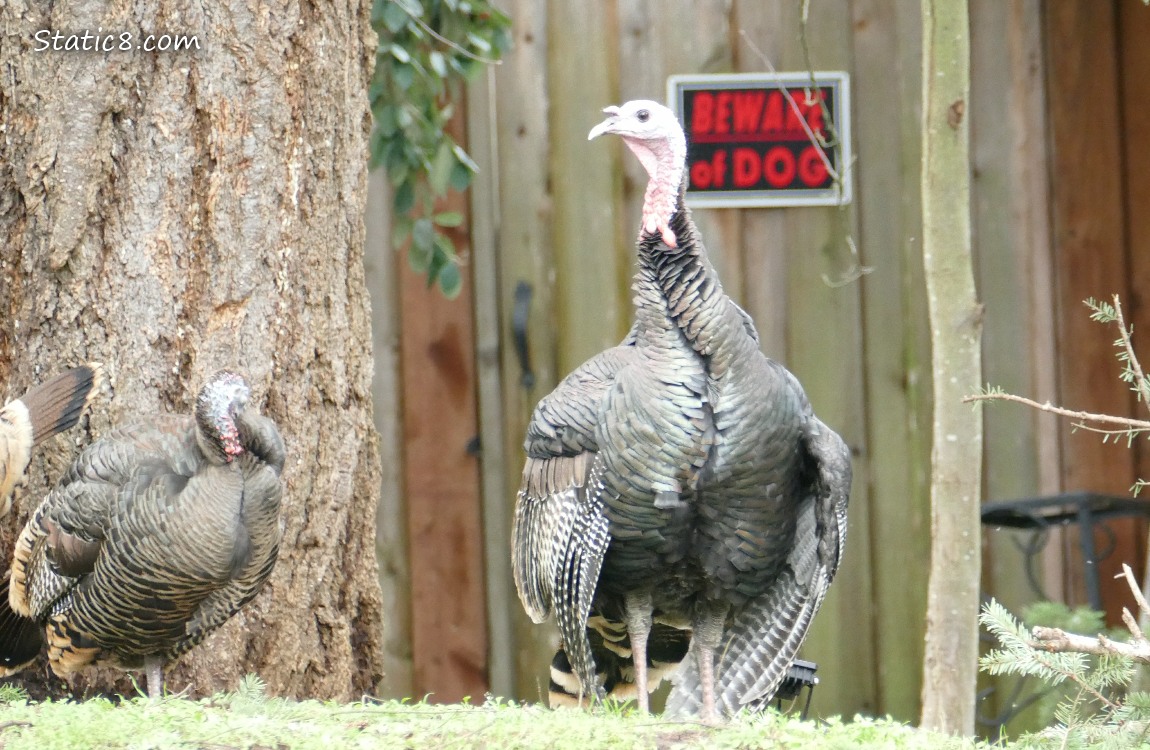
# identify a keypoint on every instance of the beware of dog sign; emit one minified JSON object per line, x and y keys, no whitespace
{"x":765,"y":140}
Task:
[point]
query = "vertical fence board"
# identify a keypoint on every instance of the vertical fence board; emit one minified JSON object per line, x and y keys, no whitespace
{"x":1088,"y":228}
{"x":897,"y":371}
{"x":593,"y":311}
{"x":502,"y":602}
{"x":825,"y":351}
{"x":1011,"y":464}
{"x":391,"y":519}
{"x":1134,"y":68}
{"x":521,"y":177}
{"x":449,"y":632}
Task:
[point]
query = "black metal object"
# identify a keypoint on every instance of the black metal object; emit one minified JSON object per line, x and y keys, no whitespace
{"x":520,"y":318}
{"x":1090,"y":510}
{"x":801,"y":674}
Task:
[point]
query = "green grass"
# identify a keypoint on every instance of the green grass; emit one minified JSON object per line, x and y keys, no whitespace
{"x":247,"y":719}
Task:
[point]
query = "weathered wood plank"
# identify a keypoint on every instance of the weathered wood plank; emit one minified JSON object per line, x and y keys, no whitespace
{"x":886,"y":82}
{"x":756,"y":31}
{"x":1011,"y":469}
{"x":1087,"y":228}
{"x":1134,"y":25}
{"x":439,"y":411}
{"x":502,"y":601}
{"x":592,"y":308}
{"x":391,"y":527}
{"x":1012,"y":253}
{"x":522,"y":183}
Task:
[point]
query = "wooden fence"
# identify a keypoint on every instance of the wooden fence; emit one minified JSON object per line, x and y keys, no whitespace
{"x":558,"y":214}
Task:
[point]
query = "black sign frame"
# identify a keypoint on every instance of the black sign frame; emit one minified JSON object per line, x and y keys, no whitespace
{"x":746,"y":141}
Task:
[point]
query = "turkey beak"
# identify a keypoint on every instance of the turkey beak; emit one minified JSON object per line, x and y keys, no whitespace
{"x":606,"y":125}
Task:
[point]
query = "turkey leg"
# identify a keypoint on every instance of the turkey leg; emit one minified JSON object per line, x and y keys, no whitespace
{"x":708,"y":635}
{"x":154,"y":669}
{"x":638,"y":607}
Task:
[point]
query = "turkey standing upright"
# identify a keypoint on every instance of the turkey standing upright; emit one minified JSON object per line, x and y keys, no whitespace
{"x":156,"y":535}
{"x":43,"y":411}
{"x":679,"y":480}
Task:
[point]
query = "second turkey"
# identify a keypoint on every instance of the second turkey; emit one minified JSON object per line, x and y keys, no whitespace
{"x":156,"y":535}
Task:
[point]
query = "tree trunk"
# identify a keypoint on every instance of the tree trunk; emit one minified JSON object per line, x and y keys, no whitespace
{"x":169,"y":213}
{"x":951,"y":656}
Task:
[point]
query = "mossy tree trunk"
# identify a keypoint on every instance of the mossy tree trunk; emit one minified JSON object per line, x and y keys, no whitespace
{"x":172,"y":212}
{"x":951,"y":655}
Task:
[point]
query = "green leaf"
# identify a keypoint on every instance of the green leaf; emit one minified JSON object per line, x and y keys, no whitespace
{"x":378,"y":145}
{"x":423,"y":234}
{"x":421,"y":254}
{"x":404,"y":75}
{"x":399,"y":53}
{"x":440,"y":174}
{"x":419,"y":258}
{"x":387,"y":120}
{"x":404,"y":197}
{"x":400,"y":230}
{"x":438,"y":261}
{"x":394,"y":17}
{"x":460,"y":177}
{"x":479,"y":43}
{"x":397,"y":169}
{"x":464,"y":157}
{"x":449,"y":219}
{"x":438,"y":63}
{"x":450,"y":280}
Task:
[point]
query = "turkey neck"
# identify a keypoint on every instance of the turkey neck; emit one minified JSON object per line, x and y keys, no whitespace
{"x":679,"y":284}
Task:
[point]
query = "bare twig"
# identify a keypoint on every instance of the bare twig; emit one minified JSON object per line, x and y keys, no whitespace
{"x":1136,"y":424}
{"x":1132,"y":626}
{"x":814,"y":139}
{"x":1057,"y":640}
{"x":1127,"y":432}
{"x":1128,"y":574}
{"x":9,"y":724}
{"x":444,"y":40}
{"x":1140,"y":383}
{"x":854,"y":273}
{"x":857,"y":269}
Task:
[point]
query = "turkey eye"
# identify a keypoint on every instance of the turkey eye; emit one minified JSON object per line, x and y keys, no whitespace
{"x":643,"y":115}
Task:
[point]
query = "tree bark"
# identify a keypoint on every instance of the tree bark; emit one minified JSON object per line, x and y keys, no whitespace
{"x":951,"y":656}
{"x":170,"y":213}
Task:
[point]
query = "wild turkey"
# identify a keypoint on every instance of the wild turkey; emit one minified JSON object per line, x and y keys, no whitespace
{"x":678,"y":481}
{"x":156,"y":535}
{"x":43,"y":411}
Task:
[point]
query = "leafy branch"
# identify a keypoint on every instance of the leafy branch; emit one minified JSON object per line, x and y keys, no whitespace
{"x":427,"y":49}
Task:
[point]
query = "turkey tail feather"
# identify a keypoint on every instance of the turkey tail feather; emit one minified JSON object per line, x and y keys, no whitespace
{"x":667,"y":646}
{"x":43,"y":411}
{"x":59,"y":403}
